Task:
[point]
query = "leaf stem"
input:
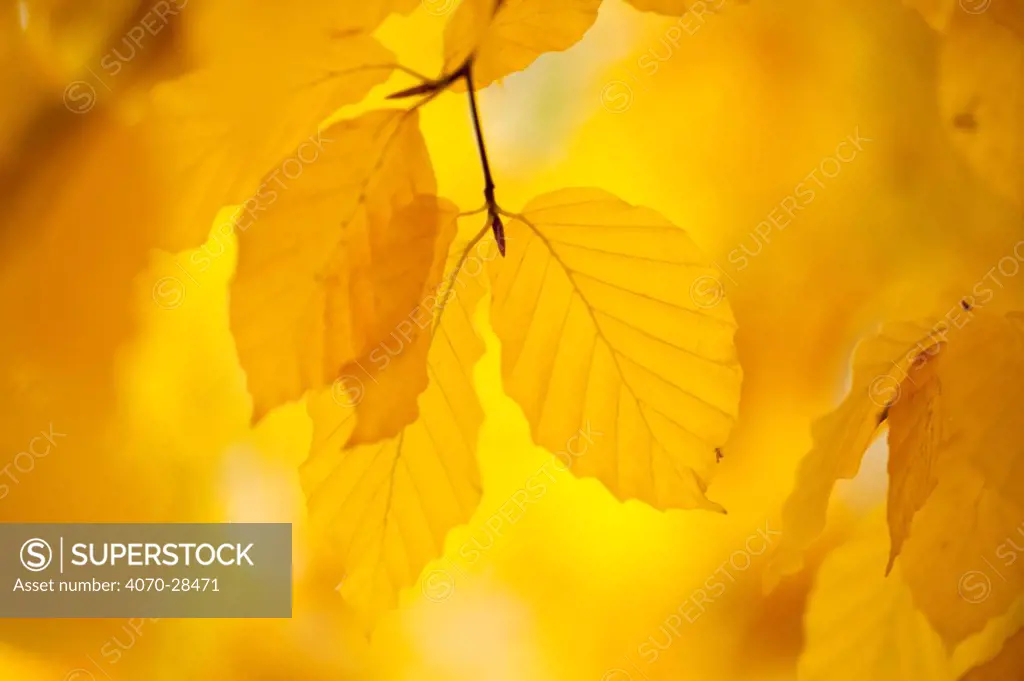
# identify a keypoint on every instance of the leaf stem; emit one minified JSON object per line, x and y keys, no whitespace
{"x":493,"y":212}
{"x":481,"y":146}
{"x":432,"y":86}
{"x":411,"y":72}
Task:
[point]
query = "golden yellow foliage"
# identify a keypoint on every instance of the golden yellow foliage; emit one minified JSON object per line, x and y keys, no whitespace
{"x":505,"y":36}
{"x":318,"y":281}
{"x":841,"y":437}
{"x":861,"y":624}
{"x":954,"y":464}
{"x":916,"y":431}
{"x":390,"y":504}
{"x":388,"y":378}
{"x":1006,"y":666}
{"x":980,"y":477}
{"x":245,"y":275}
{"x":252,"y":107}
{"x":611,"y":356}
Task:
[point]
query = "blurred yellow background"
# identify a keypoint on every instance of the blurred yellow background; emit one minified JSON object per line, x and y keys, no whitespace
{"x":714,"y":129}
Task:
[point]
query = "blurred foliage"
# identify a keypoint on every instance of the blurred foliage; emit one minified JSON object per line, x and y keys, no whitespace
{"x":839,"y":165}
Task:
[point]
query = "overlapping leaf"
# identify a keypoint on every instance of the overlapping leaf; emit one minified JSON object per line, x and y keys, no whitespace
{"x":915,"y":437}
{"x":324,"y":271}
{"x":505,"y":36}
{"x":385,"y":382}
{"x":217,"y":34}
{"x":957,"y":559}
{"x":956,"y":461}
{"x":251,"y":109}
{"x":840,"y":438}
{"x":390,"y":504}
{"x":861,"y":624}
{"x":599,"y":331}
{"x":1008,"y":665}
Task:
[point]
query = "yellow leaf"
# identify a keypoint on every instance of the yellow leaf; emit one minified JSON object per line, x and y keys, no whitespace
{"x":505,"y":36}
{"x":223,"y":30}
{"x":987,"y":644}
{"x":955,"y":460}
{"x":981,"y":92}
{"x":323,"y":269}
{"x":955,"y":558}
{"x":915,"y":436}
{"x":958,"y":558}
{"x":860,"y":624}
{"x":1007,"y":666}
{"x":385,"y":381}
{"x":600,"y":332}
{"x":390,"y":505}
{"x":841,"y":437}
{"x":252,"y":111}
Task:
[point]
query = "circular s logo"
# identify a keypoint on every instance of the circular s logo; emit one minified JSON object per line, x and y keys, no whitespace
{"x":438,"y":585}
{"x":36,"y":555}
{"x":79,"y":97}
{"x":706,"y":292}
{"x":974,"y":586}
{"x":617,"y":97}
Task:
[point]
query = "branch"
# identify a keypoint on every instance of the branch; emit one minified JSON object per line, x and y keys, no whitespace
{"x":432,"y":87}
{"x":492,"y":206}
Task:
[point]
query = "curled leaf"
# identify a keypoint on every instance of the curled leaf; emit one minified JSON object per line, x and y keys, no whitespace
{"x":960,"y":554}
{"x":956,"y":462}
{"x":840,"y":438}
